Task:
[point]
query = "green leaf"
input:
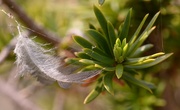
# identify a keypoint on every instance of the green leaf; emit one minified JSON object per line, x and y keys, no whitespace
{"x":141,"y":50}
{"x":99,"y":40}
{"x":143,"y":62}
{"x":92,"y":95}
{"x":83,"y":42}
{"x":101,"y":2}
{"x":87,"y":61}
{"x":139,"y":42}
{"x":91,"y":26}
{"x":120,"y":29}
{"x":95,"y":92}
{"x":108,"y":82}
{"x":119,"y":70}
{"x":118,"y":54}
{"x":86,"y":44}
{"x":125,"y":50}
{"x":105,"y":68}
{"x":148,"y":86}
{"x":112,"y":34}
{"x":73,"y":61}
{"x":141,"y":59}
{"x":156,"y":61}
{"x":143,"y":36}
{"x":131,"y":71}
{"x":123,"y":42}
{"x":82,"y":55}
{"x":101,"y":19}
{"x":138,"y":30}
{"x":125,"y":28}
{"x":151,"y":23}
{"x":98,"y":57}
{"x":90,"y":62}
{"x":87,"y":68}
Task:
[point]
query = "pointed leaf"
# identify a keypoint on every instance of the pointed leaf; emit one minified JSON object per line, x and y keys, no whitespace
{"x":82,"y":42}
{"x":99,"y":40}
{"x":87,"y":61}
{"x":125,"y":28}
{"x":102,"y":20}
{"x":90,"y":62}
{"x":147,"y":31}
{"x":119,"y":70}
{"x":98,"y":57}
{"x":141,"y":59}
{"x":91,"y":26}
{"x":120,"y":29}
{"x":108,"y":82}
{"x":92,"y":95}
{"x":82,"y":55}
{"x":138,"y":30}
{"x":112,"y":34}
{"x":95,"y":92}
{"x":156,"y":61}
{"x":73,"y":61}
{"x":141,"y":50}
{"x":86,"y":44}
{"x":151,"y":23}
{"x":105,"y":68}
{"x":87,"y":68}
{"x":125,"y":50}
{"x":139,"y":42}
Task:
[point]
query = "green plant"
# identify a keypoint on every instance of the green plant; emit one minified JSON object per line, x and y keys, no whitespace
{"x":115,"y":55}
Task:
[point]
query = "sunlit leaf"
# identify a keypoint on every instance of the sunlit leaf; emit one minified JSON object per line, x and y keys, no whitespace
{"x":119,"y":70}
{"x":108,"y":82}
{"x":94,"y":93}
{"x":156,"y":61}
{"x":82,"y":55}
{"x":140,"y":59}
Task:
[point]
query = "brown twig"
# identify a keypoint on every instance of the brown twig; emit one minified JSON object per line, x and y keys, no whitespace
{"x":38,"y":30}
{"x":6,"y":51}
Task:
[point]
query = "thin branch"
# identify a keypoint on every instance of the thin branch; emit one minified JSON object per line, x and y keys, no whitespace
{"x":13,"y":94}
{"x":7,"y":50}
{"x":38,"y":30}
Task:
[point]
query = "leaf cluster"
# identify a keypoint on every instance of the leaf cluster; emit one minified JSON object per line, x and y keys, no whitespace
{"x":109,"y":50}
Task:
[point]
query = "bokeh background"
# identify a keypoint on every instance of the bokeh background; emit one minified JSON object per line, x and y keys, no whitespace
{"x":63,"y":18}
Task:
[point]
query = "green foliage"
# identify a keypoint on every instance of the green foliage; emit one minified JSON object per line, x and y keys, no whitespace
{"x":115,"y":55}
{"x":77,"y":15}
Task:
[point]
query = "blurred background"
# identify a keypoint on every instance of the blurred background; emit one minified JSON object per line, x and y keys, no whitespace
{"x":54,"y":21}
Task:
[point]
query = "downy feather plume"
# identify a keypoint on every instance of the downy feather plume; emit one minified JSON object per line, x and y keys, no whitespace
{"x":34,"y":60}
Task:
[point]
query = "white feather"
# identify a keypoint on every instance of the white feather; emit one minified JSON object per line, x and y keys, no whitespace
{"x":33,"y":59}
